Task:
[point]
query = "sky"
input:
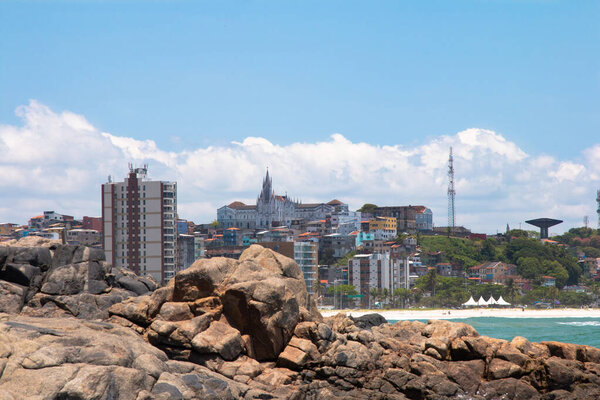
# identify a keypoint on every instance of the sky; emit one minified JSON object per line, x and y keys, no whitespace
{"x":358,"y":101}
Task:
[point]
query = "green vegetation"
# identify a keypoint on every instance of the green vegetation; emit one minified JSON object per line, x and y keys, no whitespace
{"x":581,"y":240}
{"x":326,"y":257}
{"x":342,"y":292}
{"x":367,"y":208}
{"x":533,"y":259}
{"x":343,"y":262}
{"x":458,"y":251}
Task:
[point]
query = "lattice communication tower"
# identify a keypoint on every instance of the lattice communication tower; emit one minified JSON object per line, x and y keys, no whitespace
{"x":452,"y":194}
{"x":598,"y":211}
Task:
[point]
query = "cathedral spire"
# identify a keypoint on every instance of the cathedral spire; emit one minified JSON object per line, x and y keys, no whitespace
{"x":267,"y":189}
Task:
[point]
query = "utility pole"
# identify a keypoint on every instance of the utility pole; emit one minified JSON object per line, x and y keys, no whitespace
{"x":452,"y":195}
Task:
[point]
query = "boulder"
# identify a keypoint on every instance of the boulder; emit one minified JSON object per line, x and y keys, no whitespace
{"x":219,"y":338}
{"x":11,"y":297}
{"x":368,"y":321}
{"x":262,"y":296}
{"x":509,"y":388}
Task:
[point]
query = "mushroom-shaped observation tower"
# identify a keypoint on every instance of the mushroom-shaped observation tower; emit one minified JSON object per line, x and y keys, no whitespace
{"x":544,"y":224}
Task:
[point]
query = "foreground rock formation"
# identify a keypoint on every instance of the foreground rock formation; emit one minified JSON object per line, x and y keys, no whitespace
{"x":41,"y":277}
{"x":245,"y":329}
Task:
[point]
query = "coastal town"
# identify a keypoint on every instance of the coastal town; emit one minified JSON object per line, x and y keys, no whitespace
{"x":375,"y":257}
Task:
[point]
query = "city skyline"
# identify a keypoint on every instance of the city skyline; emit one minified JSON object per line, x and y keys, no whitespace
{"x":497,"y":182}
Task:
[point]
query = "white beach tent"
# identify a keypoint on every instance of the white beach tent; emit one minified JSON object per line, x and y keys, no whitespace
{"x":481,"y":301}
{"x":491,"y":301}
{"x":471,"y":302}
{"x":502,"y":302}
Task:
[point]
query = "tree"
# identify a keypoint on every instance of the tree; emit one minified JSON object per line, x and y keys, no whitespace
{"x":403,"y":295}
{"x":511,"y":290}
{"x":343,"y":291}
{"x":430,"y":281}
{"x":488,"y":251}
{"x":417,"y":294}
{"x":343,"y":261}
{"x":552,"y":294}
{"x":326,"y":257}
{"x":529,"y":267}
{"x":553,"y":268}
{"x":214,"y":224}
{"x":367,"y":208}
{"x":385,"y":294}
{"x":374,"y":293}
{"x":591,"y":252}
{"x":318,"y":287}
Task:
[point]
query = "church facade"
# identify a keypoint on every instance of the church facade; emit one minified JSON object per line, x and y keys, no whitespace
{"x":274,"y":210}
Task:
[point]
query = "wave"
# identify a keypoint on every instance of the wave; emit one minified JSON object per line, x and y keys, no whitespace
{"x":581,"y":323}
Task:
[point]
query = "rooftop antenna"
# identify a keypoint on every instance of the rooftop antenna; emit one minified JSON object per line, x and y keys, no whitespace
{"x":451,"y":194}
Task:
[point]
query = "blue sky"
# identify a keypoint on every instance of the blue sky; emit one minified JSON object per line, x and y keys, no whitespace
{"x":386,"y":72}
{"x":193,"y":74}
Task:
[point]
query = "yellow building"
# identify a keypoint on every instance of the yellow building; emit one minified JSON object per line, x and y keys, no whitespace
{"x":382,"y":223}
{"x":383,"y":228}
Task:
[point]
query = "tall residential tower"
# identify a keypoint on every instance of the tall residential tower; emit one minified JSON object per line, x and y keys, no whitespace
{"x":139,"y":217}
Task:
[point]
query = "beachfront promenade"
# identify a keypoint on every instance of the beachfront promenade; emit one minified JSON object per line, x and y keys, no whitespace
{"x":410,"y":314}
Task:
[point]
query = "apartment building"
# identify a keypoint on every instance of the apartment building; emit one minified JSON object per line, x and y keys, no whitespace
{"x":85,"y":237}
{"x":186,"y":251}
{"x":139,"y":223}
{"x":383,"y":228}
{"x":408,"y":218}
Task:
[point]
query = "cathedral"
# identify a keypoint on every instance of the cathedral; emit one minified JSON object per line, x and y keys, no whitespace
{"x":273,"y":210}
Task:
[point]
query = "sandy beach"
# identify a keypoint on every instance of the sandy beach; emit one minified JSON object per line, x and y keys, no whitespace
{"x":472,"y":313}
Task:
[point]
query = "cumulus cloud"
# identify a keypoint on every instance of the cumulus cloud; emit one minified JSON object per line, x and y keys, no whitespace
{"x":57,"y":160}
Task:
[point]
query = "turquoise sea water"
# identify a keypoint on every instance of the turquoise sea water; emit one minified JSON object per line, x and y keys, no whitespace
{"x":568,"y":330}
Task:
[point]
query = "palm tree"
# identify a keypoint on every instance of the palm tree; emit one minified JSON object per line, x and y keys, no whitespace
{"x":511,"y":290}
{"x":431,"y":281}
{"x":403,"y":295}
{"x":373,"y":294}
{"x":318,"y":287}
{"x":417,"y":294}
{"x":385,"y":293}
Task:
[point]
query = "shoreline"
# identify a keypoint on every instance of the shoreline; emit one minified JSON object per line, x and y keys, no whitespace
{"x":413,"y":314}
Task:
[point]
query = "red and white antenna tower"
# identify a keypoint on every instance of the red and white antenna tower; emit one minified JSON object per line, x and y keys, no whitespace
{"x":451,"y":194}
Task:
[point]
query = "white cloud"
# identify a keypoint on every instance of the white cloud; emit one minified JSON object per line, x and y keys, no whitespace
{"x":58,"y":161}
{"x":567,"y":171}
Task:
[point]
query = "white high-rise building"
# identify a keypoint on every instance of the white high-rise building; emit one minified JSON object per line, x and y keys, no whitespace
{"x":140,"y":231}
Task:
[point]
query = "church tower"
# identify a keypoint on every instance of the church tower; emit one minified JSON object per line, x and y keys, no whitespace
{"x":265,"y":204}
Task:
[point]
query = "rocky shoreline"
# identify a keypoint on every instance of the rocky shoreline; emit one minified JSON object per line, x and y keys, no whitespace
{"x":72,"y":327}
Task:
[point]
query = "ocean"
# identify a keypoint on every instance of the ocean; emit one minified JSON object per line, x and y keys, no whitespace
{"x":568,"y":330}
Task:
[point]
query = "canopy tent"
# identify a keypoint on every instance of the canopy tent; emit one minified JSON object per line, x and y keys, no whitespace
{"x":470,"y":302}
{"x":502,"y":302}
{"x":491,"y":301}
{"x":481,"y":301}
